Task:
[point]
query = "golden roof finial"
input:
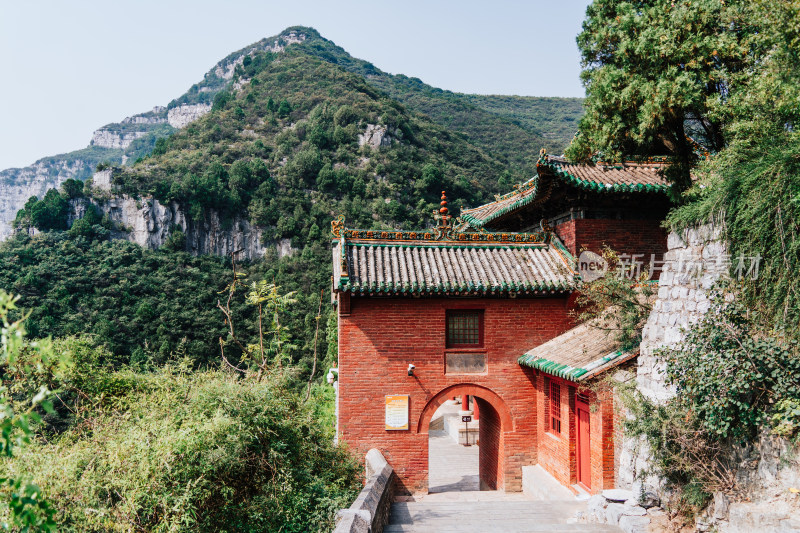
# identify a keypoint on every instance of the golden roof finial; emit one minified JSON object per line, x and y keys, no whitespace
{"x":444,"y":218}
{"x":444,"y":228}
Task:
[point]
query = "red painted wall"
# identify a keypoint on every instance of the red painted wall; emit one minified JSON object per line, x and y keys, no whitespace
{"x":554,"y":449}
{"x":381,"y":336}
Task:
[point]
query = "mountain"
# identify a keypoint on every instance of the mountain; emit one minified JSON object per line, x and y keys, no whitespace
{"x":509,"y":128}
{"x":555,"y":119}
{"x":295,"y":134}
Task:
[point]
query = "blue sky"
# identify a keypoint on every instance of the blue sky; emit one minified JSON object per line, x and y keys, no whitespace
{"x":71,"y":67}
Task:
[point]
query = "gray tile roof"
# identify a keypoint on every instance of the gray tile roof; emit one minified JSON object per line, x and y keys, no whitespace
{"x":577,"y":355}
{"x":630,"y":177}
{"x":457,"y":264}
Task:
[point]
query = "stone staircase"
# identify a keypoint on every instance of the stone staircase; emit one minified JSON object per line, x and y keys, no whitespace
{"x":488,"y":512}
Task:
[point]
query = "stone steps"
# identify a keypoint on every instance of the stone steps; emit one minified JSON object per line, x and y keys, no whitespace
{"x":481,"y":513}
{"x":499,"y":526}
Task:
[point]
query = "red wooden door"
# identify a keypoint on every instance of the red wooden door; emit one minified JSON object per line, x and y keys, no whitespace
{"x":584,"y":451}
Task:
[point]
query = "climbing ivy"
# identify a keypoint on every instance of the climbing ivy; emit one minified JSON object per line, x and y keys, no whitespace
{"x":728,"y":374}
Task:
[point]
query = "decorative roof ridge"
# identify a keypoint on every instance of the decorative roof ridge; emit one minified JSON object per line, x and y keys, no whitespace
{"x":570,"y":260}
{"x":441,"y":235}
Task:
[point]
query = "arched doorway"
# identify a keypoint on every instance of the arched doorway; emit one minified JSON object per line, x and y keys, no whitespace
{"x":495,"y":420}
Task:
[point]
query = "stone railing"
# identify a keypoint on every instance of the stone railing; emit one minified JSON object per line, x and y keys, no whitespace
{"x":370,"y":512}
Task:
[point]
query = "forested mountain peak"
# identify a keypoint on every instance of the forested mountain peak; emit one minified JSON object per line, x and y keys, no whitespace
{"x":509,"y":129}
{"x":296,"y":132}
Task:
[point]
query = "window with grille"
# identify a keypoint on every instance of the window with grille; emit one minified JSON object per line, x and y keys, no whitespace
{"x":555,"y":407}
{"x":465,"y":329}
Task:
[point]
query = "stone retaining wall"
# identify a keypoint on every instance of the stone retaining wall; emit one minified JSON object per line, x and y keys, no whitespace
{"x":370,"y":512}
{"x":767,"y":469}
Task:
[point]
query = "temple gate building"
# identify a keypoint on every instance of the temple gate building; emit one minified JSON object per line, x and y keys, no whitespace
{"x":464,"y":310}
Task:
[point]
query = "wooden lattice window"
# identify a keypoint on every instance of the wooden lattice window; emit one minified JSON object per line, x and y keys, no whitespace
{"x":555,"y":407}
{"x":465,"y":329}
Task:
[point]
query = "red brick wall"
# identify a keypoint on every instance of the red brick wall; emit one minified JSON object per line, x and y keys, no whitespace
{"x":381,"y":336}
{"x":490,"y":439}
{"x":607,"y":412}
{"x":623,"y":236}
{"x":558,"y":452}
{"x":554,"y":452}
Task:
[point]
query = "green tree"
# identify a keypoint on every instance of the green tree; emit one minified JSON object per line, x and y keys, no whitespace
{"x":72,"y":188}
{"x":656,"y":71}
{"x":25,"y":510}
{"x":284,"y":108}
{"x":753,"y":184}
{"x":49,"y":213}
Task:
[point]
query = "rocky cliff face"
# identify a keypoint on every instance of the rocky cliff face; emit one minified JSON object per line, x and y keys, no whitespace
{"x":376,"y":136}
{"x":224,"y":69}
{"x":114,"y":139}
{"x":121,"y":135}
{"x":149,"y":224}
{"x":156,"y":116}
{"x":19,"y":184}
{"x":180,"y":116}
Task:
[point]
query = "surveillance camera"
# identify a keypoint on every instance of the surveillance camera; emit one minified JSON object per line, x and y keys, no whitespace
{"x":411,"y":368}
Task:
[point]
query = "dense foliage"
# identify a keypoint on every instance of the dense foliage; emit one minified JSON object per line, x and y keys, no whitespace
{"x":731,"y":377}
{"x":656,"y":71}
{"x":285,"y":148}
{"x":140,"y":304}
{"x":21,"y":504}
{"x":143,"y":305}
{"x":554,"y":119}
{"x":752,"y":187}
{"x":483,"y":120}
{"x":181,"y":450}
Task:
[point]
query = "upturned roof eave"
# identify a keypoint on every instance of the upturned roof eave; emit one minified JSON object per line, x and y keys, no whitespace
{"x":472,"y":216}
{"x":577,"y":374}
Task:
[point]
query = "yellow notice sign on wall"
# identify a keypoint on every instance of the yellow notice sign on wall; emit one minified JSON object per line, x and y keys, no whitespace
{"x":397,"y":412}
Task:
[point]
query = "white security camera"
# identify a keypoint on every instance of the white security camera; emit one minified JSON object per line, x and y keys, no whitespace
{"x":411,"y":368}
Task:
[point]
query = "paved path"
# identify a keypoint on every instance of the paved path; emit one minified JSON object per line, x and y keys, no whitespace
{"x":451,"y":467}
{"x":454,"y":504}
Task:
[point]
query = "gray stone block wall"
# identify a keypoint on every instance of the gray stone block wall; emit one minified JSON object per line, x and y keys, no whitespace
{"x":695,"y":259}
{"x":769,"y":467}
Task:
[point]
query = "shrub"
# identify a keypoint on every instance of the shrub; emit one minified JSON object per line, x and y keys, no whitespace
{"x":180,"y":451}
{"x":730,"y":375}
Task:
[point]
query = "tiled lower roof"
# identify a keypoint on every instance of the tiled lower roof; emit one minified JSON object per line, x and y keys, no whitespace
{"x":458,"y":264}
{"x":577,"y":355}
{"x":522,"y":196}
{"x":629,"y":177}
{"x":607,"y":177}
